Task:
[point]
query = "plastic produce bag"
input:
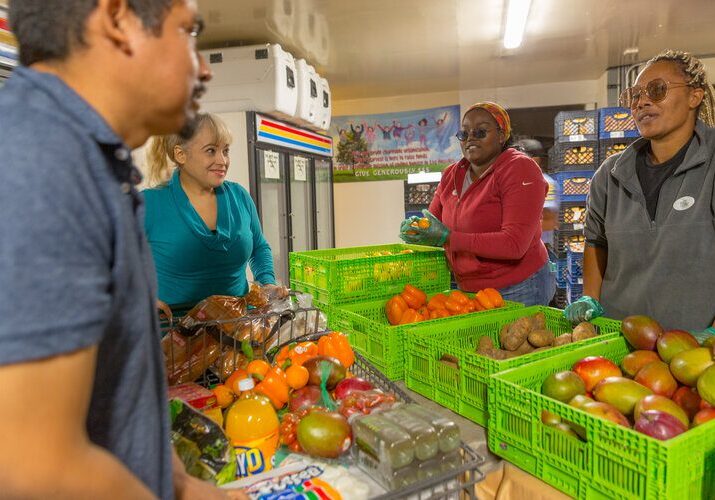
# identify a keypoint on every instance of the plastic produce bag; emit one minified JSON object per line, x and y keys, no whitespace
{"x":201,"y":444}
{"x":216,"y":308}
{"x":262,"y":296}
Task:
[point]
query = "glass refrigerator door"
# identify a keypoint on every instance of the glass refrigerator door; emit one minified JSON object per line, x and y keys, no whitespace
{"x":273,"y":208}
{"x":324,"y":203}
{"x":301,"y":204}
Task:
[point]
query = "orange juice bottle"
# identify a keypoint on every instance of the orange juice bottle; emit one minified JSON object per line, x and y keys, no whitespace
{"x":252,"y":426}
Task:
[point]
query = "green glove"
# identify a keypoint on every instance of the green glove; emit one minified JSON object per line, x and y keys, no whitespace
{"x":406,"y":224}
{"x":584,"y":309}
{"x":704,"y":335}
{"x":435,"y":235}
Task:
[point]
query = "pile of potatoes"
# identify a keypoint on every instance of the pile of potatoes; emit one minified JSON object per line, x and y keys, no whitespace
{"x":529,"y":334}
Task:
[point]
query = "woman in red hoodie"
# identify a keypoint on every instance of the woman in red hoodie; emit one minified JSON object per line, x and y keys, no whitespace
{"x":487,"y":213}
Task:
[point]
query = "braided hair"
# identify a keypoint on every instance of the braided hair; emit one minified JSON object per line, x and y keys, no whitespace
{"x":694,"y":71}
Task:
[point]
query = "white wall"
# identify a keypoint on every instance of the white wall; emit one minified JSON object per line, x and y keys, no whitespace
{"x":369,"y":213}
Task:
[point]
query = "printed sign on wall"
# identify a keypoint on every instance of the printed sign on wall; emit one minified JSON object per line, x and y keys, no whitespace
{"x":393,"y":145}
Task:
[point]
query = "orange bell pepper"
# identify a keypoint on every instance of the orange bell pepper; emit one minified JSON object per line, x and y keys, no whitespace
{"x":414,"y":297}
{"x":395,"y":308}
{"x":454,"y":307}
{"x":459,"y":297}
{"x":437,"y":302}
{"x":336,"y":345}
{"x":297,"y":353}
{"x":424,"y":312}
{"x":477,"y":305}
{"x":494,"y":296}
{"x":485,"y":300}
{"x":438,"y":313}
{"x":410,"y":316}
{"x":275,"y":387}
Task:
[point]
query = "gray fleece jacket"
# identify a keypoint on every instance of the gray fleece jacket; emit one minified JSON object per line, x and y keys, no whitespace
{"x":663,"y":268}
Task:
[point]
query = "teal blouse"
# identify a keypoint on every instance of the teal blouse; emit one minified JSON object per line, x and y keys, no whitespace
{"x":193,"y":262}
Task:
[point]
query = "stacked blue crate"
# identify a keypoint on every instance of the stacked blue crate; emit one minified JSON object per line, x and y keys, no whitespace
{"x":574,"y":158}
{"x":574,"y":263}
{"x":584,"y":139}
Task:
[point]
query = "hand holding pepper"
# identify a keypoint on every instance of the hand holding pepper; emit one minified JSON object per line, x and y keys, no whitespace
{"x":429,"y":231}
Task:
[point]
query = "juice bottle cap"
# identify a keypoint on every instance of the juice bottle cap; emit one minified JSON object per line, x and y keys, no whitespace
{"x":246,"y":384}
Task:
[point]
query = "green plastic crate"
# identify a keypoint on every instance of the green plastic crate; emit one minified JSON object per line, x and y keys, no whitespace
{"x":458,"y":336}
{"x":381,"y":343}
{"x":613,"y":462}
{"x":345,"y":275}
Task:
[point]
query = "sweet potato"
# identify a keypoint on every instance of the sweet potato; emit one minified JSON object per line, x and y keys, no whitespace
{"x":541,"y":338}
{"x":564,"y":339}
{"x":583,"y":331}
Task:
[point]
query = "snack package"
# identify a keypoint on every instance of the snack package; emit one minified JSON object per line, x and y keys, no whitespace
{"x":213,"y":308}
{"x":196,"y":396}
{"x":187,"y":357}
{"x":300,"y":477}
{"x":201,"y":444}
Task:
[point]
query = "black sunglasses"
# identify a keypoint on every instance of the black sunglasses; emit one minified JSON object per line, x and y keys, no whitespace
{"x":656,"y":90}
{"x":479,"y":133}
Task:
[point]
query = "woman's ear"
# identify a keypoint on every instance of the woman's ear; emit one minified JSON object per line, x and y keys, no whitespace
{"x":179,"y":155}
{"x":696,"y":97}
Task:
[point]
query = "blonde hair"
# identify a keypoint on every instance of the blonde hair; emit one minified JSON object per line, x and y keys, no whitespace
{"x":161,"y":150}
{"x":694,"y":72}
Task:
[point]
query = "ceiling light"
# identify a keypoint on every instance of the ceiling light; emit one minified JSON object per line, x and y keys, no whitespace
{"x":516,"y":16}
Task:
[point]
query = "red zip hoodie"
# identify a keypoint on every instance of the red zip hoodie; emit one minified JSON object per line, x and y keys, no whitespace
{"x":495,"y":238}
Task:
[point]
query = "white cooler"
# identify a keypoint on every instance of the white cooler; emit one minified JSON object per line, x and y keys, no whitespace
{"x":326,"y":102}
{"x":309,"y":94}
{"x":253,"y":78}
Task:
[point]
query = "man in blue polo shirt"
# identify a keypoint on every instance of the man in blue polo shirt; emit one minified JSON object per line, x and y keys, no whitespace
{"x":82,"y":391}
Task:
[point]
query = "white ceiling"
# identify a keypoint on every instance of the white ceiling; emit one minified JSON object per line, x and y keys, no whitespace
{"x":371,"y":48}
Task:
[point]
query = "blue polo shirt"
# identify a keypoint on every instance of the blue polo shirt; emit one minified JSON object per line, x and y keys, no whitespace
{"x":193,"y":262}
{"x":75,"y":268}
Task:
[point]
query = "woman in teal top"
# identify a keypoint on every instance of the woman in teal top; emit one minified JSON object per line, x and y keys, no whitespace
{"x":203,"y":231}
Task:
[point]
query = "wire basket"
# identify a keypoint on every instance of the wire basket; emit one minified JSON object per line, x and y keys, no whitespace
{"x":306,"y":324}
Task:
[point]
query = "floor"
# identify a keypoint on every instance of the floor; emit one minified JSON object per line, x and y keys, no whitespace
{"x":472,"y":434}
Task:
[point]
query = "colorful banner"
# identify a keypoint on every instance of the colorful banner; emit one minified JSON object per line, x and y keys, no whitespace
{"x":276,"y":132}
{"x":8,"y":43}
{"x":393,"y":145}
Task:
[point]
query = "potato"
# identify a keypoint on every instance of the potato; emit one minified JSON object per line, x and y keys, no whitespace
{"x":500,"y":354}
{"x":564,"y":339}
{"x":503,"y":333}
{"x":541,"y":338}
{"x":449,"y":360}
{"x":524,"y":348}
{"x":486,"y":345}
{"x":539,"y":320}
{"x":583,"y":331}
{"x":516,"y":334}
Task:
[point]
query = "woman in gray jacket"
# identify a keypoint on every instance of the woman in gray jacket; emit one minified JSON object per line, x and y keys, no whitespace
{"x":650,"y":229}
